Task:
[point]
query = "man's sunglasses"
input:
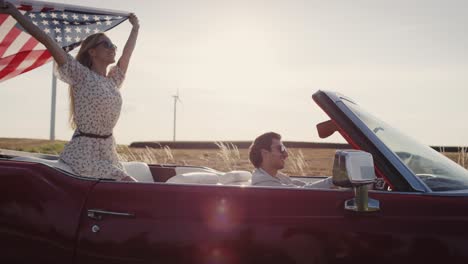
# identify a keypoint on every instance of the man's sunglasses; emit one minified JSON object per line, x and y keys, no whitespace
{"x":281,"y":148}
{"x":107,"y":44}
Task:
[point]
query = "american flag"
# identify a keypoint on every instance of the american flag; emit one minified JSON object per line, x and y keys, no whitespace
{"x":68,"y":25}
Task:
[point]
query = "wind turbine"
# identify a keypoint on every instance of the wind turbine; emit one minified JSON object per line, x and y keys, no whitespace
{"x":176,"y":98}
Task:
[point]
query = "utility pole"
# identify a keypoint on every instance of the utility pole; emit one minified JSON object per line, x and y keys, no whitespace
{"x":53,"y":104}
{"x":176,"y":98}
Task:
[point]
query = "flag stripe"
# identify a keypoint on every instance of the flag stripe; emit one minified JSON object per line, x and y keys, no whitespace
{"x":43,"y":58}
{"x":3,"y":17}
{"x":28,"y":46}
{"x":6,"y":25}
{"x":5,"y":61}
{"x":15,"y":62}
{"x":7,"y":22}
{"x":9,"y":38}
{"x":32,"y":61}
{"x":6,"y":28}
{"x":22,"y":42}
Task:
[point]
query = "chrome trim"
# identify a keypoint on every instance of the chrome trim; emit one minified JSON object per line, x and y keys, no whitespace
{"x":97,"y":214}
{"x":361,"y":201}
{"x":430,"y":194}
{"x":95,"y":228}
{"x":372,"y":205}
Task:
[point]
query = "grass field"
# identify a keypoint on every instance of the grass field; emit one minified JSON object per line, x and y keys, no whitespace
{"x":300,"y":162}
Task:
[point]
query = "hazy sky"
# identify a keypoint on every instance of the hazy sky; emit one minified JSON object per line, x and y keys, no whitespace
{"x":245,"y":67}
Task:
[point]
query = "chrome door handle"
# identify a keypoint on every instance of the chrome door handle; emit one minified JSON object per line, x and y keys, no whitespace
{"x":97,"y":214}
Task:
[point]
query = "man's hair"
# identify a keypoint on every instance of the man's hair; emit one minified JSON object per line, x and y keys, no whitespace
{"x":261,"y":142}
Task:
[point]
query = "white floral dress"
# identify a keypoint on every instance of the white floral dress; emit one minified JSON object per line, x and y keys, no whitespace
{"x":97,"y":108}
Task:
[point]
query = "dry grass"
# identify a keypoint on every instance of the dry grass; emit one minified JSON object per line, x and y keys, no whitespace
{"x":461,"y":157}
{"x":226,"y":157}
{"x":229,"y":154}
{"x":149,"y":155}
{"x":33,"y":145}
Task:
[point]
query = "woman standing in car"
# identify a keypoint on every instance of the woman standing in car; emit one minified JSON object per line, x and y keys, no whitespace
{"x":95,"y":100}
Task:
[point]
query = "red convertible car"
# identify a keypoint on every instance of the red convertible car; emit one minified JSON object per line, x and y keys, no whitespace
{"x":414,"y":212}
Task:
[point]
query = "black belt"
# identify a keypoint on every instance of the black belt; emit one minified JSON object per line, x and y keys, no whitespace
{"x":82,"y":134}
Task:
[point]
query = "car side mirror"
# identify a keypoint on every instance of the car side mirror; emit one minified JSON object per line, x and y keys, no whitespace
{"x":355,"y":169}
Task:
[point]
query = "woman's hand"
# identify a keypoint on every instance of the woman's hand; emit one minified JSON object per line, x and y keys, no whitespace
{"x":7,"y":8}
{"x":134,"y":21}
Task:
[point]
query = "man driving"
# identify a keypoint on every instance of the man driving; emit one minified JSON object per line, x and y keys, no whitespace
{"x":268,"y":155}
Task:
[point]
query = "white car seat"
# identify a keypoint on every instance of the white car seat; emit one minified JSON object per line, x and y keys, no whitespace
{"x":236,"y":177}
{"x":187,"y":169}
{"x":210,"y":176}
{"x":195,"y":178}
{"x":138,"y":170}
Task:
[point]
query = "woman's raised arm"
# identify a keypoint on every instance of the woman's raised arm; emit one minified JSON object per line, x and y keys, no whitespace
{"x":130,"y":45}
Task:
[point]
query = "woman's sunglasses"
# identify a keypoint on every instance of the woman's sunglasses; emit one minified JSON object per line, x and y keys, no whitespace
{"x":107,"y":44}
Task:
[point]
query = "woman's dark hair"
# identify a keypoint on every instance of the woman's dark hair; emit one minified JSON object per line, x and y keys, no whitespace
{"x":261,"y":142}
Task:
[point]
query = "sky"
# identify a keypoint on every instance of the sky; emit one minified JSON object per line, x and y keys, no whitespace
{"x":246,"y":67}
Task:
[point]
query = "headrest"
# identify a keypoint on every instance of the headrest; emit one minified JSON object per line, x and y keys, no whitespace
{"x":195,"y":178}
{"x":138,"y":170}
{"x":233,"y":177}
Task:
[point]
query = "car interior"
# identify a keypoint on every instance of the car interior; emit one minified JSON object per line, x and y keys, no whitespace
{"x":171,"y":174}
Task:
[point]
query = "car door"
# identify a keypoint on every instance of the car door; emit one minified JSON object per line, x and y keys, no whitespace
{"x":413,"y":226}
{"x":169,"y":223}
{"x":40,"y":209}
{"x":143,"y":223}
{"x":149,"y":223}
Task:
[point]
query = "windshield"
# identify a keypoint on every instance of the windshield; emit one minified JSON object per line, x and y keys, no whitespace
{"x":437,"y":171}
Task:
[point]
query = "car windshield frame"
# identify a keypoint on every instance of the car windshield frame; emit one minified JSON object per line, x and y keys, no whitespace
{"x":356,"y":133}
{"x":435,"y":170}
